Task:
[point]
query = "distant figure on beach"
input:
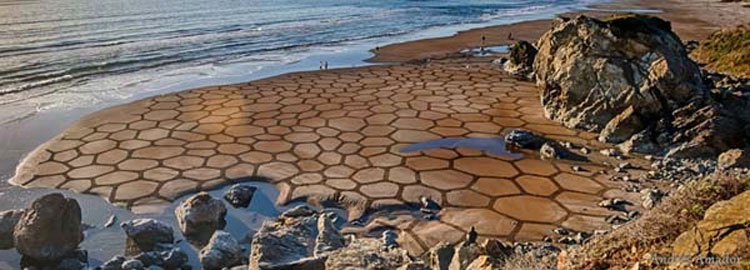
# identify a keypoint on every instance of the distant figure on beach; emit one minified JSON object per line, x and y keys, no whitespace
{"x":484,"y":38}
{"x":377,"y":48}
{"x":321,"y":65}
{"x":510,"y":35}
{"x":326,"y":65}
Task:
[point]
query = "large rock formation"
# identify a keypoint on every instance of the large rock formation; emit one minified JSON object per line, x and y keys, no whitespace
{"x":591,"y":71}
{"x":200,"y":216}
{"x":50,"y":229}
{"x":630,"y":78}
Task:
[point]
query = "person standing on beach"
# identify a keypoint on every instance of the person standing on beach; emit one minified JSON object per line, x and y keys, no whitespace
{"x":326,"y":65}
{"x":321,"y":65}
{"x":510,"y":35}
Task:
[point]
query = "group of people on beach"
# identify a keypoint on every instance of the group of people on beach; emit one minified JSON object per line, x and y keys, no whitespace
{"x":323,"y":65}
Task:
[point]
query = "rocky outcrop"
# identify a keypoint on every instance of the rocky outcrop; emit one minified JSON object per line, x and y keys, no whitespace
{"x":630,"y":78}
{"x":240,"y":195}
{"x":723,"y":233}
{"x":200,"y":216}
{"x":521,"y":60}
{"x":50,"y":229}
{"x":146,"y":233}
{"x":8,"y":221}
{"x":366,"y":253}
{"x":220,"y":252}
{"x":734,"y":159}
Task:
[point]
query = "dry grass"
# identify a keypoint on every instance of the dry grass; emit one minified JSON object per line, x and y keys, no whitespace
{"x":726,"y":51}
{"x":652,"y":233}
{"x":528,"y":262}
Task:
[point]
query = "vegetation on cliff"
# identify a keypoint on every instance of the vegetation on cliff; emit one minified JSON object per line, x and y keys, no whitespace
{"x":726,"y":51}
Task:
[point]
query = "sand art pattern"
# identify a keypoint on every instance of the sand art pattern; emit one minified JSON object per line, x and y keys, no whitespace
{"x":339,"y":132}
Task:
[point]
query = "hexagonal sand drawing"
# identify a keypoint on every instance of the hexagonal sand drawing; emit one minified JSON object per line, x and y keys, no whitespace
{"x":338,"y":133}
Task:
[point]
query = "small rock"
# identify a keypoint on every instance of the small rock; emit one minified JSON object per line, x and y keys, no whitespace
{"x":222,"y":251}
{"x":429,"y":204}
{"x":113,"y":264}
{"x":389,"y":238}
{"x":110,"y":221}
{"x":561,"y":231}
{"x":147,"y":232}
{"x":133,"y":265}
{"x":585,"y":151}
{"x":240,"y":195}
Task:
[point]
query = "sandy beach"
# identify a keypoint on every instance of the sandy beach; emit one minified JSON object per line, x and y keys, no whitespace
{"x":336,"y":137}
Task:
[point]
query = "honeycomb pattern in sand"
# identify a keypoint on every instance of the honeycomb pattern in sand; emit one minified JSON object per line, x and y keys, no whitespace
{"x":338,"y":131}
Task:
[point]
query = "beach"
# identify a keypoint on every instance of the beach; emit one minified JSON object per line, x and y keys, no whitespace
{"x":338,"y":137}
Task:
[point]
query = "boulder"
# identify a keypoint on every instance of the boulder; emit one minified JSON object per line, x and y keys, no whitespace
{"x":240,"y":195}
{"x":734,"y":159}
{"x":524,"y":139}
{"x":200,"y":216}
{"x":146,"y":233}
{"x":50,"y":229}
{"x":221,"y":251}
{"x":8,"y":221}
{"x":290,"y":239}
{"x":591,"y":71}
{"x":722,"y":233}
{"x":521,"y":59}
